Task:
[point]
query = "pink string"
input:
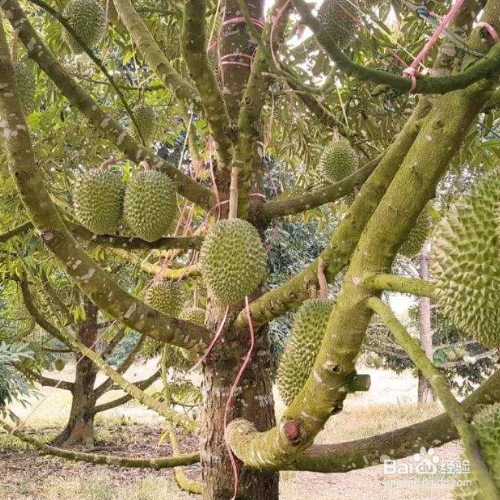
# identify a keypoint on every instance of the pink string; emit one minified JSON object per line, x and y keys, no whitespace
{"x":491,"y":30}
{"x":224,"y":62}
{"x":259,"y":23}
{"x":235,"y":385}
{"x":214,"y":341}
{"x":412,"y":70}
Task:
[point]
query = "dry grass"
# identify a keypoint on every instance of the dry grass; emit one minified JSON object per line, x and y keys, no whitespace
{"x":100,"y":487}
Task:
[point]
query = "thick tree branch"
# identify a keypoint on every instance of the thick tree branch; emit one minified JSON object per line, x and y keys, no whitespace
{"x":440,"y":385}
{"x":485,"y":68}
{"x":132,"y":243}
{"x":400,"y":284}
{"x":400,"y":443}
{"x":104,"y":122}
{"x":152,"y":53}
{"x":194,"y":47}
{"x":319,"y":197}
{"x":143,"y":463}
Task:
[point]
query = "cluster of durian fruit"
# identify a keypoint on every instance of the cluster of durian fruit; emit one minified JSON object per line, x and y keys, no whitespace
{"x":144,"y":207}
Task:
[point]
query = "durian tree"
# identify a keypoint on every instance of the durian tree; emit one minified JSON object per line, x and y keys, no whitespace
{"x":244,"y":83}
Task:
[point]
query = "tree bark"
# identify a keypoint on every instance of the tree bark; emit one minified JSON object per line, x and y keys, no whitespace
{"x":253,"y":401}
{"x":80,"y":426}
{"x":425,"y":393}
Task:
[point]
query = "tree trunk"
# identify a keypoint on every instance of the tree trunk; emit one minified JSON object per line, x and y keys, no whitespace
{"x":80,"y":426}
{"x":253,"y":401}
{"x":425,"y":392}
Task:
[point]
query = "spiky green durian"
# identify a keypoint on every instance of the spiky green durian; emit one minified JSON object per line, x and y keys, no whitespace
{"x":165,"y":297}
{"x":26,"y":85}
{"x":145,"y":117}
{"x":88,"y":20}
{"x":465,"y":262}
{"x":340,"y":18}
{"x":338,"y":160}
{"x":302,"y":348}
{"x":486,"y":427}
{"x":232,"y":260}
{"x":195,"y":315}
{"x":150,"y":206}
{"x":98,"y":200}
{"x":418,"y":235}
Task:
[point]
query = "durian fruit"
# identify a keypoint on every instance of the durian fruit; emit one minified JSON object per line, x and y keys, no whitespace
{"x":59,"y":364}
{"x":370,"y":360}
{"x":166,"y":297}
{"x":377,"y":362}
{"x":341,"y":20}
{"x":88,"y":20}
{"x":145,"y":117}
{"x":232,"y":260}
{"x":418,"y":235}
{"x":195,"y":315}
{"x":451,"y":356}
{"x":486,"y":427}
{"x":460,"y":352}
{"x":26,"y":85}
{"x":98,"y":200}
{"x":303,"y":346}
{"x":338,"y":161}
{"x":150,"y":206}
{"x":465,"y":262}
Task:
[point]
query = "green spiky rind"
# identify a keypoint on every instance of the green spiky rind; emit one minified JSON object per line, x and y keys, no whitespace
{"x":302,"y":348}
{"x":165,"y":297}
{"x":25,"y":81}
{"x":338,"y":161}
{"x":341,"y":20}
{"x":150,"y":206}
{"x":465,"y":262}
{"x":98,"y":201}
{"x":88,"y":20}
{"x":233,"y":260}
{"x":145,"y":117}
{"x":486,"y":427}
{"x":195,"y":315}
{"x":418,"y":235}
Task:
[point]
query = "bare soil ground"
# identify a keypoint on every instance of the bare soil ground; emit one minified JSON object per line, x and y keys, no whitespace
{"x":134,"y":431}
